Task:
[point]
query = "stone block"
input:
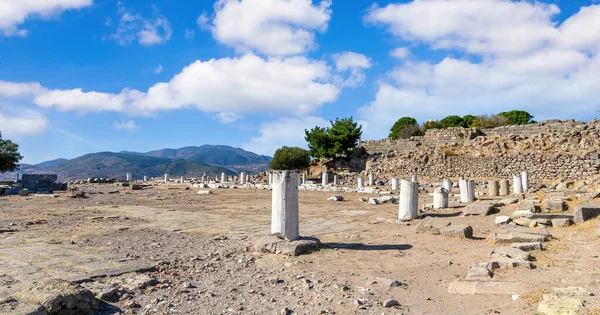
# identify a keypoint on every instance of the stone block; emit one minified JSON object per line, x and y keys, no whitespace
{"x":523,"y":221}
{"x":526,"y":205}
{"x":561,"y":222}
{"x":60,"y":297}
{"x":508,"y":201}
{"x":276,"y":245}
{"x":586,"y":212}
{"x":24,"y":192}
{"x":204,"y":192}
{"x":515,"y":237}
{"x":522,"y":214}
{"x":457,"y":231}
{"x":510,"y":252}
{"x":482,"y":271}
{"x":510,"y":263}
{"x":502,"y":219}
{"x":527,"y":246}
{"x":478,"y":208}
{"x":336,"y":198}
{"x":521,"y":229}
{"x":432,"y":225}
{"x":554,"y":204}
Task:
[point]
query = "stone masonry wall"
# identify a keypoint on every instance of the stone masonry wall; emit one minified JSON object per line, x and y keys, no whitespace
{"x":548,"y":150}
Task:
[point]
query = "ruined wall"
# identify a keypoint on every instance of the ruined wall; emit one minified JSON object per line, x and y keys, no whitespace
{"x":548,"y":150}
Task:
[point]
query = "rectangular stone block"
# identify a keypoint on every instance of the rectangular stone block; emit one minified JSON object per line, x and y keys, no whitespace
{"x":586,"y":212}
{"x":457,"y":231}
{"x":488,"y":287}
{"x":527,"y":246}
{"x":478,"y":208}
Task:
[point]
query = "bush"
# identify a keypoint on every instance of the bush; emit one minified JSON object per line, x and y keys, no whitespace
{"x":488,"y":121}
{"x":290,"y":158}
{"x":9,"y":156}
{"x":431,"y":124}
{"x":399,"y":125}
{"x":451,"y":121}
{"x":338,"y":140}
{"x":468,"y":121}
{"x":410,"y":131}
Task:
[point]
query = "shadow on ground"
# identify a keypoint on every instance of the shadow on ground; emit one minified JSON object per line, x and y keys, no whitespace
{"x":361,"y":246}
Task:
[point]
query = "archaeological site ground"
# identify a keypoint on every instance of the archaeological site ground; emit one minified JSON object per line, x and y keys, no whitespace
{"x":459,"y":221}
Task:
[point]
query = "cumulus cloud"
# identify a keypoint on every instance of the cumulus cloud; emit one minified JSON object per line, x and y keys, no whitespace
{"x":400,"y":53}
{"x":147,"y":31}
{"x":270,"y":27}
{"x":248,"y":84}
{"x":228,"y":117}
{"x":12,"y":89}
{"x":16,"y":124}
{"x":353,"y":64}
{"x":126,"y":125}
{"x":523,"y":60}
{"x":14,"y":12}
{"x":285,"y":131}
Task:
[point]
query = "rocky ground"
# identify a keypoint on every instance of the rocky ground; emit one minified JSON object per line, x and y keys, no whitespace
{"x":169,"y":250}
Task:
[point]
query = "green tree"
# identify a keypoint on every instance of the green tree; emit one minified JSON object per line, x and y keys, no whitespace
{"x":335,"y":141}
{"x":468,"y":120}
{"x":290,"y":158}
{"x":517,"y":117}
{"x":431,"y":124}
{"x":397,"y":131}
{"x":451,"y":121}
{"x":9,"y":155}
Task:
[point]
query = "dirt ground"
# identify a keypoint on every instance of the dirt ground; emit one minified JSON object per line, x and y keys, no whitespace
{"x":197,"y":249}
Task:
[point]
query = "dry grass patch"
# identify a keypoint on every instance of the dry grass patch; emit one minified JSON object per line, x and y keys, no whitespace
{"x":534,"y":296}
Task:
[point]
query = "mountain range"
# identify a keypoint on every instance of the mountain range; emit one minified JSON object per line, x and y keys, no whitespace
{"x":187,"y":161}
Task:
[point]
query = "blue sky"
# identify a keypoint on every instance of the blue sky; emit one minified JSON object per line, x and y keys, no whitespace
{"x":81,"y":76}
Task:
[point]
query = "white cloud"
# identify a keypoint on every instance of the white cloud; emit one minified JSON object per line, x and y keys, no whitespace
{"x":16,"y":124}
{"x":14,"y":12}
{"x":523,"y":60}
{"x":189,"y":34}
{"x":353,"y":64}
{"x":247,"y":84}
{"x":400,"y":53}
{"x":126,"y":125}
{"x":11,"y":89}
{"x":270,"y":27}
{"x":285,"y":131}
{"x":228,"y":117}
{"x":134,"y":27}
{"x":158,"y":69}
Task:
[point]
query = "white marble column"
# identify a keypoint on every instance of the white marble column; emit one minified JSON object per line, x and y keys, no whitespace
{"x":223,"y":178}
{"x":181,"y":180}
{"x":395,"y":183}
{"x":303,"y":178}
{"x":128,"y":177}
{"x":335,"y":180}
{"x":525,"y":181}
{"x":467,"y":190}
{"x":462,"y":187}
{"x":166,"y":178}
{"x":448,"y":185}
{"x":371,"y":179}
{"x":284,"y":216}
{"x":145,"y":178}
{"x":242,"y":178}
{"x":271,"y":179}
{"x":440,"y":198}
{"x":517,"y":185}
{"x":409,"y":200}
{"x":325,"y":179}
{"x":360,"y":183}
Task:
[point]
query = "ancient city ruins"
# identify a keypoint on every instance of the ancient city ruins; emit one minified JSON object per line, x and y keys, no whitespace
{"x":458,"y":221}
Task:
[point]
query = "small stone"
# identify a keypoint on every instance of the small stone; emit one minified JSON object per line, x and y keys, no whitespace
{"x":390,"y":303}
{"x":336,"y":198}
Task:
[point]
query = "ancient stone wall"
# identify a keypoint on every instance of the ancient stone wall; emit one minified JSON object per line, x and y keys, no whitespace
{"x":547,"y":150}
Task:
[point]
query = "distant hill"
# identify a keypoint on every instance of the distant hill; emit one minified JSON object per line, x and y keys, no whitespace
{"x":221,"y":155}
{"x":116,"y":165}
{"x":187,"y":161}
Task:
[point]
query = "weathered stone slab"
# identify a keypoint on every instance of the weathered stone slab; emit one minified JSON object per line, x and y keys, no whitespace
{"x":527,"y":246}
{"x":526,"y":205}
{"x":457,"y":231}
{"x":513,"y":263}
{"x":336,"y":198}
{"x":478,"y":208}
{"x":523,"y":221}
{"x":502,"y":219}
{"x":60,"y":297}
{"x":554,"y":204}
{"x":482,"y":271}
{"x":432,"y":225}
{"x":562,"y":222}
{"x":484,"y":287}
{"x":521,"y":229}
{"x":522,"y":214}
{"x":276,"y":245}
{"x":515,"y":237}
{"x":510,"y":252}
{"x":507,"y":201}
{"x":586,"y":212}
{"x":204,"y":192}
{"x":553,"y":304}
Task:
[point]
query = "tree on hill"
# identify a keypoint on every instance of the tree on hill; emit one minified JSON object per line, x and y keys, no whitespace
{"x":468,"y":120}
{"x":488,"y":121}
{"x":517,"y":117}
{"x":404,"y":128}
{"x":9,"y":155}
{"x":335,"y":141}
{"x":451,"y":121}
{"x":290,"y":158}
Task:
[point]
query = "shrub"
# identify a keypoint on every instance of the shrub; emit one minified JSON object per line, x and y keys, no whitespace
{"x":338,"y":140}
{"x":397,"y":131}
{"x":290,"y":158}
